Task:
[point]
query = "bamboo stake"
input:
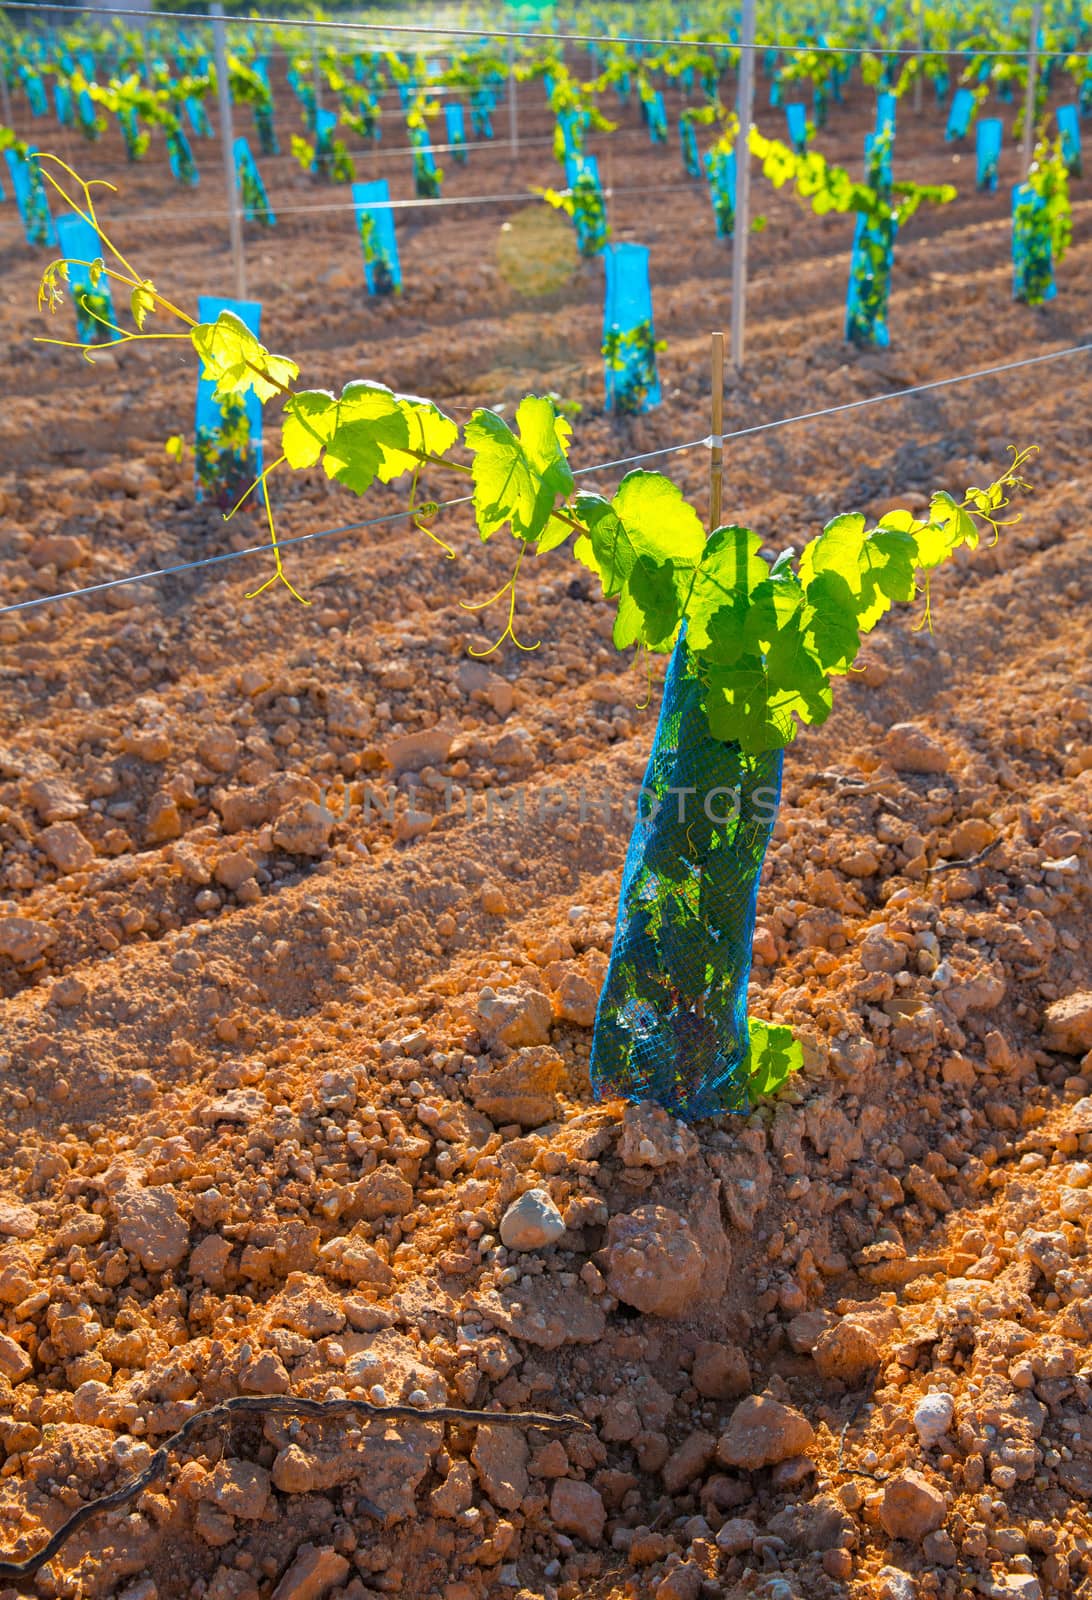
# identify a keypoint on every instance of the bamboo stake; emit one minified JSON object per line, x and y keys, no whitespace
{"x":716,"y":456}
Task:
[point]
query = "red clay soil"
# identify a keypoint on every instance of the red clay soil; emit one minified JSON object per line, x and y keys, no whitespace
{"x":276,"y":1062}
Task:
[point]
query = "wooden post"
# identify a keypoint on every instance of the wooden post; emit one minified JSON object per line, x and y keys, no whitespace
{"x":227,"y":147}
{"x":919,"y":81}
{"x":743,"y":180}
{"x":316,"y":75}
{"x":1029,"y":94}
{"x":716,"y":456}
{"x":5,"y":102}
{"x":513,"y":117}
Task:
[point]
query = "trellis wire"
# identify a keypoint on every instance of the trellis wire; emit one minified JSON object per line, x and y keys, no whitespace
{"x":602,"y":466}
{"x":496,"y":33}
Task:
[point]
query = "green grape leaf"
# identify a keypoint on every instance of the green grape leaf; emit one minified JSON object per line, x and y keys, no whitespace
{"x":519,"y":479}
{"x":798,"y":686}
{"x":830,"y":622}
{"x":645,"y":546}
{"x":773,"y":1055}
{"x":648,"y":608}
{"x":731,"y":570}
{"x":237,"y":362}
{"x":737,"y":703}
{"x":370,"y":425}
{"x":877,"y":567}
{"x":427,"y":430}
{"x":142,"y":301}
{"x":308,"y":422}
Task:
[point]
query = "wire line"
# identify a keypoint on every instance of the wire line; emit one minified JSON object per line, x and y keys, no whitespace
{"x":432,"y":31}
{"x":603,"y":466}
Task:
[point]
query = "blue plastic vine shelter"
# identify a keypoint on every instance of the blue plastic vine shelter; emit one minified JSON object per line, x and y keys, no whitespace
{"x":632,"y":381}
{"x":721,"y":166}
{"x":1069,"y":129}
{"x":375,"y":225}
{"x":31,"y":197}
{"x":870,"y":282}
{"x":959,"y":117}
{"x":988,"y":134}
{"x":456,"y":130}
{"x":256,"y":207}
{"x":886,"y":105}
{"x":796,"y":116}
{"x":1032,"y":248}
{"x":80,"y":245}
{"x":227,"y":434}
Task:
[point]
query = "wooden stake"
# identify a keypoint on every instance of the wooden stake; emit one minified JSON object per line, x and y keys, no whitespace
{"x":227,"y":145}
{"x":716,"y":455}
{"x":1029,"y":96}
{"x":919,"y":81}
{"x":513,"y":115}
{"x":742,"y":223}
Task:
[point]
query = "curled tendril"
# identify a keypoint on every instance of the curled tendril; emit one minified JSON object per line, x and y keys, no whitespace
{"x":279,"y":575}
{"x":643,"y":704}
{"x":509,"y":589}
{"x":420,"y":516}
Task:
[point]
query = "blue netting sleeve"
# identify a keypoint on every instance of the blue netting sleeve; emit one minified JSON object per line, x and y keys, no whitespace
{"x":672,"y":1019}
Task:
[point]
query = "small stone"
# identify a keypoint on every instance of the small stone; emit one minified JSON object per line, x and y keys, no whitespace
{"x":1067,"y":1025}
{"x":896,"y":1585}
{"x":531,"y":1222}
{"x":164,"y":820}
{"x":577,"y":1000}
{"x":17,"y":1221}
{"x":23,"y":939}
{"x":910,"y":749}
{"x":415,"y":751}
{"x":456,"y":1494}
{"x":681,"y":1583}
{"x":15,"y":1364}
{"x":66,"y":847}
{"x":910,"y":1507}
{"x":233,"y":869}
{"x":239,"y":1488}
{"x":61,"y":550}
{"x":313,"y":1573}
{"x":304,"y":829}
{"x":720,"y":1371}
{"x":69,"y":991}
{"x":515,"y":1017}
{"x":736,"y":1536}
{"x":652,"y":1138}
{"x":56,"y":801}
{"x":939,"y":1549}
{"x":805,"y":1330}
{"x":500,"y":1455}
{"x":846,"y":1352}
{"x":150,"y":1226}
{"x":761,"y":1432}
{"x":653,"y":1261}
{"x":691,"y":1460}
{"x":578,"y":1508}
{"x":933,"y":1417}
{"x":521,"y":1089}
{"x":382,"y":1193}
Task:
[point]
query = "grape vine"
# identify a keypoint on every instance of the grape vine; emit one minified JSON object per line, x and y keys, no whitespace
{"x":767,"y":639}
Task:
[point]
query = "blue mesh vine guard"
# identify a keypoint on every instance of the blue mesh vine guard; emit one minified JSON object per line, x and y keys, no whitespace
{"x":672,"y":1018}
